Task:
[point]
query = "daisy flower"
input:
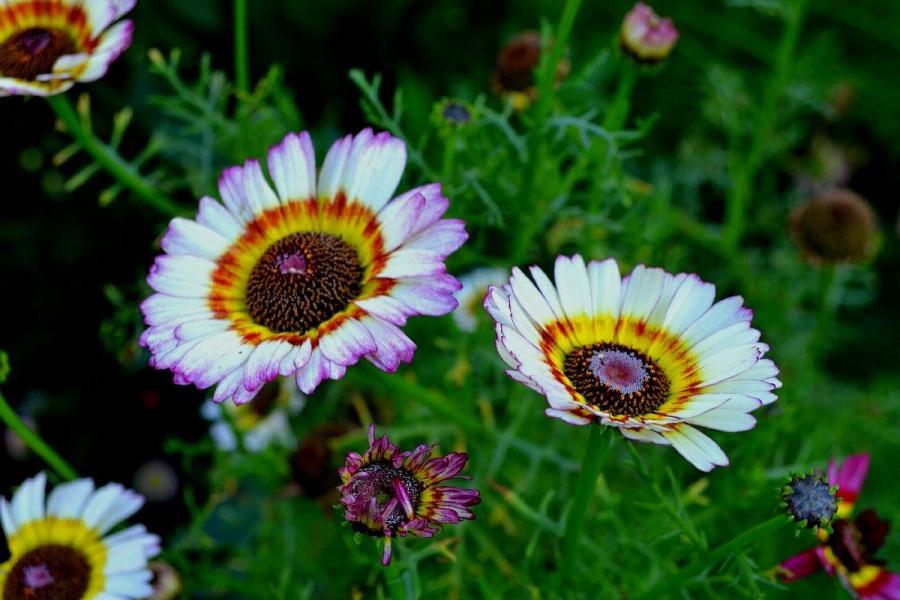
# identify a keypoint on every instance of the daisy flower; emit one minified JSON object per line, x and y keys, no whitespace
{"x":474,"y":287}
{"x":848,"y":551}
{"x":261,"y":423}
{"x":61,"y":547}
{"x":303,"y":280}
{"x":649,"y":353}
{"x":48,"y":45}
{"x":387,"y":493}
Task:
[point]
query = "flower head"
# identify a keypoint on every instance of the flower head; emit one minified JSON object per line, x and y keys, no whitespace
{"x":650,"y":353}
{"x":48,"y":45}
{"x":261,"y":423}
{"x":166,"y":581}
{"x":474,"y":286}
{"x":61,"y":547}
{"x":514,"y":76}
{"x":387,"y":493}
{"x":848,"y":550}
{"x":837,"y":226}
{"x":645,"y":36}
{"x":303,"y":280}
{"x":809,"y":500}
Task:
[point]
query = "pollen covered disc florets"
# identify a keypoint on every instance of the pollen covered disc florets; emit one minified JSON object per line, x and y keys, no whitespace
{"x":305,"y":279}
{"x":302,"y":281}
{"x":48,"y":45}
{"x":388,"y":493}
{"x":650,"y":353}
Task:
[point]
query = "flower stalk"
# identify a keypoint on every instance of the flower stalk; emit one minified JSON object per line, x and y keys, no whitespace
{"x":584,"y":491}
{"x":241,"y":44}
{"x":35,"y":442}
{"x":110,"y":160}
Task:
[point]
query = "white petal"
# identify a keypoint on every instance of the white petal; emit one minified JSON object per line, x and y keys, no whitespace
{"x":730,"y":362}
{"x":213,"y":358}
{"x":725,"y":420}
{"x":295,"y":359}
{"x":606,"y":287}
{"x":534,"y":303}
{"x":692,"y":299}
{"x":181,"y":276}
{"x":292,"y":165}
{"x":373,"y":169}
{"x":189,"y":237}
{"x":398,"y":219}
{"x":333,"y":167}
{"x":697,"y":448}
{"x":10,"y":526}
{"x":263,"y":363}
{"x":412,"y":263}
{"x":644,"y":434}
{"x":642,"y":292}
{"x":548,"y":290}
{"x":722,"y":314}
{"x":348,"y":343}
{"x":574,"y":286}
{"x":219,"y":219}
{"x":68,"y":500}
{"x":568,"y":417}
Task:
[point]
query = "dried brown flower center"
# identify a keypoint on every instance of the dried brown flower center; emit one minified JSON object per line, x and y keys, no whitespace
{"x":617,"y":379}
{"x":302,"y":281}
{"x":32,"y":52}
{"x":376,"y":481}
{"x":52,"y":572}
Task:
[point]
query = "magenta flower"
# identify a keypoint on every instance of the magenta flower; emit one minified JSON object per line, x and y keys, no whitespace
{"x":389,"y":493}
{"x":645,"y":36}
{"x":848,"y":551}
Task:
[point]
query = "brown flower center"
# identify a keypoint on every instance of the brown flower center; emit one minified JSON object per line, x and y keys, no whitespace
{"x":617,"y":379}
{"x":32,"y":52}
{"x":52,"y":572}
{"x":854,"y":542}
{"x":302,"y":281}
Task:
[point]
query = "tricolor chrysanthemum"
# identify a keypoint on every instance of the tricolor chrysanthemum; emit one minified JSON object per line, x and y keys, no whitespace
{"x":48,"y":45}
{"x":61,"y":548}
{"x":650,"y":353}
{"x":848,"y":551}
{"x":388,"y":493}
{"x":303,"y":280}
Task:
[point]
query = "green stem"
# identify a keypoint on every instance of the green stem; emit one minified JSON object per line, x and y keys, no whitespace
{"x":584,"y":491}
{"x":743,"y":179}
{"x":34,"y":441}
{"x":110,"y":160}
{"x":680,"y":579}
{"x":546,"y":85}
{"x":241,"y":54}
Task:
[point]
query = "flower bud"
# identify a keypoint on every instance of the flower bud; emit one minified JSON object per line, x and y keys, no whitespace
{"x":645,"y":36}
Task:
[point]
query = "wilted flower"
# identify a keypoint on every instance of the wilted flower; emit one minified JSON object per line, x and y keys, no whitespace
{"x":848,"y":550}
{"x":60,"y":549}
{"x":837,"y":226}
{"x":514,"y":76}
{"x":48,"y":45}
{"x":649,"y":354}
{"x":645,"y":36}
{"x":305,"y":280}
{"x":263,"y":422}
{"x":474,"y":286}
{"x":809,"y":500}
{"x":156,"y":481}
{"x":389,"y":493}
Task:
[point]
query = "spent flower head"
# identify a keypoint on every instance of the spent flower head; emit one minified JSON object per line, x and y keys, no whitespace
{"x":388,"y":493}
{"x":645,"y":36}
{"x":809,"y":500}
{"x":514,"y":75}
{"x":835,"y":227}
